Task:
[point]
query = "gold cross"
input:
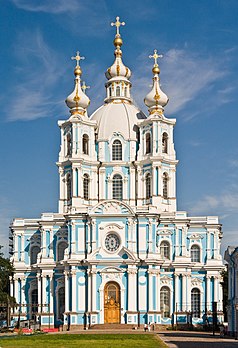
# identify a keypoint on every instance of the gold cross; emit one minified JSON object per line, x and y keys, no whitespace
{"x":156,"y":56}
{"x":77,"y":58}
{"x":117,"y":25}
{"x":84,"y":87}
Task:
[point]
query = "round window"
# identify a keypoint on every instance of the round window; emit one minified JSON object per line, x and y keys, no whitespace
{"x":112,"y":242}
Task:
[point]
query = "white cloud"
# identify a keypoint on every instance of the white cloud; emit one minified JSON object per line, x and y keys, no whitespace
{"x":185,"y":76}
{"x":52,"y":6}
{"x":36,"y":93}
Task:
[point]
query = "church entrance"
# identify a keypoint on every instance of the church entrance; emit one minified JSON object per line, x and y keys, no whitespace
{"x":112,"y":305}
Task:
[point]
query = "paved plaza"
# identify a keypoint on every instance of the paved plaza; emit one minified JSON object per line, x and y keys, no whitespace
{"x":175,"y":339}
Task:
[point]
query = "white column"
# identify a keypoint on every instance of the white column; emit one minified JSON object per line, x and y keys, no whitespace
{"x":16,"y":290}
{"x":73,"y":238}
{"x":153,"y":181}
{"x":177,"y":302}
{"x":189,"y":283}
{"x":74,"y":183}
{"x":184,"y":292}
{"x":102,"y":181}
{"x":158,"y":291}
{"x":132,"y":185}
{"x":89,"y":290}
{"x":23,"y":295}
{"x":12,"y":287}
{"x":66,"y":275}
{"x":150,"y":297}
{"x":150,"y":237}
{"x":93,"y":288}
{"x":139,"y":186}
{"x":184,"y":234}
{"x":74,"y":289}
{"x":15,"y":238}
{"x":43,"y":242}
{"x":22,"y":247}
{"x":208,"y":291}
{"x":93,"y":224}
{"x":220,"y":294}
{"x":215,"y":288}
{"x":132,"y":290}
{"x":176,"y":241}
{"x":44,"y":299}
{"x":216,"y":245}
{"x":80,"y":182}
{"x":51,"y":304}
{"x":51,"y":253}
{"x":208,"y":245}
{"x":39,"y":288}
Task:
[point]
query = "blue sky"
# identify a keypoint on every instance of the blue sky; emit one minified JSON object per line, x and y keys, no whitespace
{"x":199,"y":42}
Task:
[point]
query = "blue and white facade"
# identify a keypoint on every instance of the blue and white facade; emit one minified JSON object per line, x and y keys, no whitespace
{"x":117,"y":251}
{"x":231,"y":256}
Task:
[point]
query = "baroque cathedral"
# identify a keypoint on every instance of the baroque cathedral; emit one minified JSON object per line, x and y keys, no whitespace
{"x":117,"y":250}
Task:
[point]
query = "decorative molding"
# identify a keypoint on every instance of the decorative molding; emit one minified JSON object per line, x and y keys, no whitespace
{"x":195,"y":236}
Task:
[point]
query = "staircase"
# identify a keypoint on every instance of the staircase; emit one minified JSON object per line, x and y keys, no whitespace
{"x":112,"y":327}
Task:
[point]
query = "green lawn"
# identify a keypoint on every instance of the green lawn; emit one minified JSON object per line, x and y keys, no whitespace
{"x":83,"y":341}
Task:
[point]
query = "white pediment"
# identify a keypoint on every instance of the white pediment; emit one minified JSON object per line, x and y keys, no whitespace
{"x":111,"y":207}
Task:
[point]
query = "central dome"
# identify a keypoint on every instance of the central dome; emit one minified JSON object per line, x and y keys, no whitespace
{"x":117,"y":117}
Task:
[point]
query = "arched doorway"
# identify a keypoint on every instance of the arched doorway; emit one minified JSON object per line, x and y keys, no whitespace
{"x":112,"y":303}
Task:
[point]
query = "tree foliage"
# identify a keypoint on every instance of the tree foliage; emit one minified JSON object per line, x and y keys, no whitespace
{"x":6,"y":270}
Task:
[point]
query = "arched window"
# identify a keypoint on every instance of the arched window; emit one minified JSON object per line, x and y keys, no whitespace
{"x":85,"y":144}
{"x":195,"y":253}
{"x":86,"y":187}
{"x":148,"y":186}
{"x":165,"y":185}
{"x":68,"y":187}
{"x":165,"y":142}
{"x":165,"y":250}
{"x":117,"y":187}
{"x":34,"y":252}
{"x":118,"y":91}
{"x":68,"y":138}
{"x":116,"y":150}
{"x":165,"y":301}
{"x":61,"y":303}
{"x":195,"y":302}
{"x":60,"y":250}
{"x":110,"y":91}
{"x":34,"y":303}
{"x":147,"y":143}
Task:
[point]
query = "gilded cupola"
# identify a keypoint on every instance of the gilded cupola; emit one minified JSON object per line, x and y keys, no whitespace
{"x":156,"y":99}
{"x":78,"y":101}
{"x":118,"y":75}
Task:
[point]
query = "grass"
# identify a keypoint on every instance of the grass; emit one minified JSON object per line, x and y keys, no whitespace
{"x":83,"y":341}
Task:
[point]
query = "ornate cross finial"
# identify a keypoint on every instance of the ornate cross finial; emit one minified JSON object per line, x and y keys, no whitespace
{"x":84,"y":87}
{"x":156,"y":56}
{"x":77,"y":58}
{"x":117,"y":25}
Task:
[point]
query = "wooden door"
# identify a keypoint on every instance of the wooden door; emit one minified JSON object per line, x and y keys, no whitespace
{"x":112,"y":307}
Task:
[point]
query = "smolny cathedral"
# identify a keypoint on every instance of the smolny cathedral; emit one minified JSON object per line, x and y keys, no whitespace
{"x":117,"y":250}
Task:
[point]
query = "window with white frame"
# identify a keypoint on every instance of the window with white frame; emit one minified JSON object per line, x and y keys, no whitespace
{"x":165,"y":301}
{"x":165,"y":250}
{"x":61,"y":303}
{"x":85,"y":144}
{"x":116,"y":150}
{"x":118,"y":91}
{"x":86,"y":187}
{"x":165,"y":142}
{"x":147,"y":143}
{"x":34,"y":252}
{"x":60,"y":250}
{"x":117,"y":187}
{"x":195,"y":302}
{"x":195,"y":253}
{"x":148,"y":186}
{"x":165,"y":185}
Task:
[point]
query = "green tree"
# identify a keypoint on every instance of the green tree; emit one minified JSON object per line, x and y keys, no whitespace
{"x":6,"y":270}
{"x":224,"y":285}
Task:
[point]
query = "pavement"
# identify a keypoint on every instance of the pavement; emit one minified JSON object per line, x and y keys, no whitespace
{"x":188,"y":339}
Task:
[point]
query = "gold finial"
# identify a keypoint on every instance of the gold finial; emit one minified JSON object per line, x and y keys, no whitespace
{"x":77,"y":58}
{"x":117,"y":25}
{"x":156,"y":56}
{"x":84,"y":87}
